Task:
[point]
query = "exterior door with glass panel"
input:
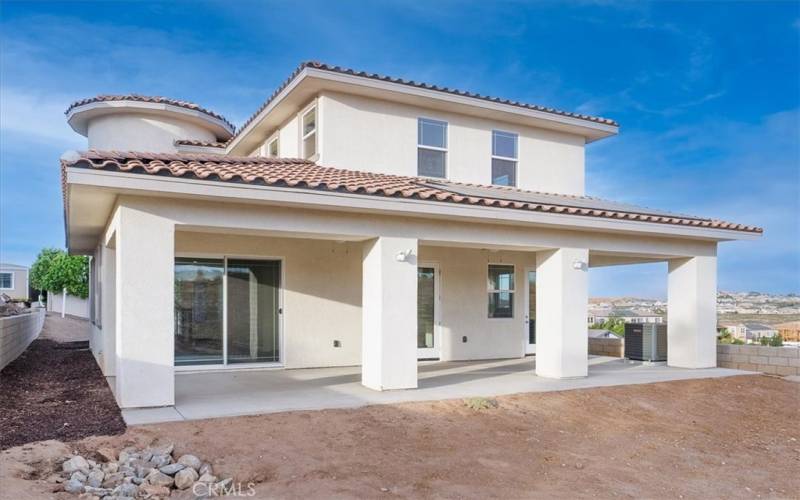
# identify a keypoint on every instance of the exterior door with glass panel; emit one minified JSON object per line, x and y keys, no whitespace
{"x":428,"y":338}
{"x":530,"y":310}
{"x":227,"y":311}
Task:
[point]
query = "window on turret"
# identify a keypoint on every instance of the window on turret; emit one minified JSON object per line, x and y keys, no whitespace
{"x":431,"y":148}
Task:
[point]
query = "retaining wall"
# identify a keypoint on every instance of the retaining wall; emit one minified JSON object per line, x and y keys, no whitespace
{"x":17,"y":333}
{"x":607,"y":347}
{"x":756,"y":358}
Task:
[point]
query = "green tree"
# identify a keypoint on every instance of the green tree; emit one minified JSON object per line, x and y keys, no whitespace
{"x":55,"y":270}
{"x":776,"y":341}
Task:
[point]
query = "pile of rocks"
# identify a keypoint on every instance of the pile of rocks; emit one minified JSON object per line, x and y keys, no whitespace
{"x":147,"y":473}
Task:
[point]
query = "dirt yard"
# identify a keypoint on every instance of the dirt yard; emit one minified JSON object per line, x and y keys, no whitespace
{"x":713,"y":438}
{"x":55,"y":390}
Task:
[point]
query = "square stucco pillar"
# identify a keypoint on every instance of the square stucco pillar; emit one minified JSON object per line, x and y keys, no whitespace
{"x":145,"y":253}
{"x":692,"y":312}
{"x":562,"y":304}
{"x":108,"y":291}
{"x":389,"y":314}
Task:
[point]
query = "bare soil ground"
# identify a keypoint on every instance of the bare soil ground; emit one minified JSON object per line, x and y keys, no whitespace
{"x":711,"y":438}
{"x":55,"y":390}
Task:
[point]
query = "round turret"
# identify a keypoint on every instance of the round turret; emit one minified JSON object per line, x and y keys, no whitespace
{"x":142,"y":123}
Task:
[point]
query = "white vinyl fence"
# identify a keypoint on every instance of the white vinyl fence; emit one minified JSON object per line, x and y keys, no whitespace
{"x":17,"y":333}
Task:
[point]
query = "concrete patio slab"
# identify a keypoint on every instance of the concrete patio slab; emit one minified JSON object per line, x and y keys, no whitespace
{"x":231,"y":393}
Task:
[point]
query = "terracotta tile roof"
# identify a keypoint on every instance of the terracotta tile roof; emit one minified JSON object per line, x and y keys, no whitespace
{"x":296,"y":173}
{"x":205,"y":144}
{"x":412,"y":83}
{"x":151,"y":99}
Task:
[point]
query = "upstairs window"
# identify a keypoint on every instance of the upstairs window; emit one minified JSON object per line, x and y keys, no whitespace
{"x":504,"y":158}
{"x":431,"y":148}
{"x":501,"y":291}
{"x":309,"y":133}
{"x":272,"y":148}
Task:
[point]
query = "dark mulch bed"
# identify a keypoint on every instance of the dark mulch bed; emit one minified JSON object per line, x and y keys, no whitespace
{"x":55,"y":391}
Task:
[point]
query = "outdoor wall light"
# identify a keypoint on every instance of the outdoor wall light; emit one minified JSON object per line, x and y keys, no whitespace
{"x":579,"y":265}
{"x":403,"y":256}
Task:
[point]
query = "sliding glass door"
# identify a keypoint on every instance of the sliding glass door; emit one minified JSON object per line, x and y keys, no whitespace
{"x":198,"y":311}
{"x":227,"y":311}
{"x":253,"y":302}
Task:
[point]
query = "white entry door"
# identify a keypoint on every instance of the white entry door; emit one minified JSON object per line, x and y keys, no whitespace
{"x":428,"y":312}
{"x":530,"y":310}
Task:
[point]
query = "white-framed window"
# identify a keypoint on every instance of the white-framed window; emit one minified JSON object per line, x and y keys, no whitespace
{"x":504,"y":158}
{"x":500,"y":285}
{"x":431,"y":148}
{"x":273,"y":148}
{"x":309,"y":130}
{"x":6,"y":281}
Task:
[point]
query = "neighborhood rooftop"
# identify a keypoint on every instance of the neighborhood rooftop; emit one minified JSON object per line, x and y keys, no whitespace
{"x":298,"y":173}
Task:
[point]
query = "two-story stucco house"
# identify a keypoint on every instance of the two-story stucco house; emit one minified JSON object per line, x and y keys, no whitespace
{"x":357,"y":219}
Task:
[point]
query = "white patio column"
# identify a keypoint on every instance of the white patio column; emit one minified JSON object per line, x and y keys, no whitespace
{"x":108,"y":264}
{"x":389,"y":314}
{"x":145,"y":255}
{"x":692,"y":312}
{"x":562,"y":303}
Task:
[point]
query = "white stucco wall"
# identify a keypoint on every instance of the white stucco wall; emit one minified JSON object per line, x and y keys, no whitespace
{"x":321,"y":292}
{"x":361,"y":133}
{"x":142,"y":132}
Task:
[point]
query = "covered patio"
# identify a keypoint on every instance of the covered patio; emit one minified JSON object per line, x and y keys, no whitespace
{"x":249,"y":392}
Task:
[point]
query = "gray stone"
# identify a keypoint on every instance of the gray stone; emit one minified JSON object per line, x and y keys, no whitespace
{"x":138,"y":480}
{"x":75,"y":463}
{"x":98,"y":491}
{"x":160,"y":460}
{"x":95,"y":478}
{"x":143,"y":470}
{"x":151,"y":490}
{"x":172,"y":469}
{"x":78,"y":476}
{"x":185,"y":478}
{"x":73,"y":486}
{"x":205,"y":469}
{"x":113,"y":479}
{"x":207,"y":478}
{"x":190,"y":461}
{"x":110,"y":467}
{"x":125,"y":490}
{"x":160,"y":479}
{"x":164,"y":449}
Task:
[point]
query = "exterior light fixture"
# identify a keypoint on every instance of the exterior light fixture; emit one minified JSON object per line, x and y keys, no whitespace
{"x":403,"y":256}
{"x":579,"y":265}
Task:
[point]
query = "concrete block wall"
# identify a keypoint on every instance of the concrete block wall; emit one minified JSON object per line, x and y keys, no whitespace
{"x":607,"y":347}
{"x":772,"y":360}
{"x":17,"y":332}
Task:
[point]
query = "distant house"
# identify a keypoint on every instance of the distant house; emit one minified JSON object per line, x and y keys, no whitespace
{"x":602,"y":333}
{"x":751,"y":331}
{"x":626,"y":315}
{"x":14,"y":281}
{"x":790,"y":331}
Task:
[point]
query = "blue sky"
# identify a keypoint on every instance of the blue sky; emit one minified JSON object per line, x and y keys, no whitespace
{"x":707,"y":95}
